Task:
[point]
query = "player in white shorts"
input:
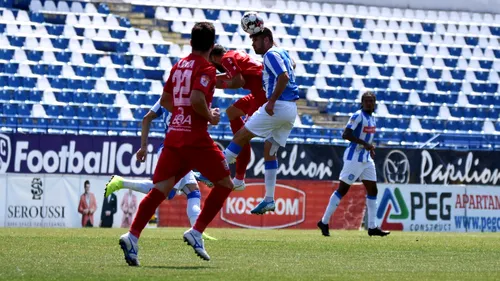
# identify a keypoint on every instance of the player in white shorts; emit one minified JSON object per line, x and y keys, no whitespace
{"x":358,"y":163}
{"x":274,"y":120}
{"x":188,"y":184}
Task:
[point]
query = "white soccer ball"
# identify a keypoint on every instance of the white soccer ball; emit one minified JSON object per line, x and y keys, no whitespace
{"x":252,"y":23}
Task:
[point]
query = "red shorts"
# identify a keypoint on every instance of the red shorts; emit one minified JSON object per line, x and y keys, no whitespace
{"x":249,"y":104}
{"x":178,"y":161}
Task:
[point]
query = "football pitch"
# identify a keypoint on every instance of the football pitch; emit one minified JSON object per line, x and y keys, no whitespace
{"x":240,"y":254}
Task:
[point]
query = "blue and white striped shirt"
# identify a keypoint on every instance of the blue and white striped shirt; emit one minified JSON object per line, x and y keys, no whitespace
{"x":277,"y":61}
{"x":161,"y":112}
{"x":363,"y":126}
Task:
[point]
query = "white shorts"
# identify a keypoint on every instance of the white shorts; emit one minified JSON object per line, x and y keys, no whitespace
{"x":353,"y":170}
{"x":189,"y":178}
{"x":278,"y":127}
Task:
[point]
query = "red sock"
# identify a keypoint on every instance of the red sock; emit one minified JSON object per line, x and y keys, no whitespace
{"x":211,"y":207}
{"x":236,"y":124}
{"x":147,"y":208}
{"x":242,"y":161}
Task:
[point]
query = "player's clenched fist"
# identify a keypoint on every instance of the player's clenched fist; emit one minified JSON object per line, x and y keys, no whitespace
{"x":141,"y":154}
{"x":215,"y":116}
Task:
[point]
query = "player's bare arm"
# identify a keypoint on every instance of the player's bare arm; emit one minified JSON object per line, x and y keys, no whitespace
{"x":348,"y":135}
{"x":199,"y":104}
{"x":283,"y":79}
{"x":146,"y":124}
{"x":167,"y":101}
{"x":235,"y":83}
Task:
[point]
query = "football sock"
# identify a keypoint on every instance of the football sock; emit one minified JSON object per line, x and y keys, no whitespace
{"x":232,"y":151}
{"x":146,"y":210}
{"x":236,"y":124}
{"x":332,"y":206}
{"x":371,"y":206}
{"x":271,"y":169}
{"x":142,"y":186}
{"x":242,"y":161}
{"x":193,"y":206}
{"x":211,"y":207}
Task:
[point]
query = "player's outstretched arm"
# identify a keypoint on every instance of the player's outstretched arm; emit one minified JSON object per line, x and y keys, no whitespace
{"x":348,"y":135}
{"x":146,"y":125}
{"x":234,"y":83}
{"x":199,"y":104}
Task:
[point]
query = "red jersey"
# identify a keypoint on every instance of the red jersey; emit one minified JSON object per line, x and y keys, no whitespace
{"x":235,"y":62}
{"x":187,"y":128}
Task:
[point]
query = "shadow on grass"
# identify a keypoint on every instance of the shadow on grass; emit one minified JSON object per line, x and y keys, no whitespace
{"x":180,"y":267}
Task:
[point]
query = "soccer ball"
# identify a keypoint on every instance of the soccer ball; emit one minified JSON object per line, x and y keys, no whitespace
{"x":252,"y":23}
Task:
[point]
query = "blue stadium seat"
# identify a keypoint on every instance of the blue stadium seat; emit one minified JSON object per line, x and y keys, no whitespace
{"x":361,"y":70}
{"x":152,"y":61}
{"x":469,"y":112}
{"x":409,"y":49}
{"x":124,"y":72}
{"x":112,"y":112}
{"x":11,"y":68}
{"x":450,"y":62}
{"x":118,"y":59}
{"x":97,"y":112}
{"x":337,"y":69}
{"x":432,"y":111}
{"x":386,"y":71}
{"x":471,"y":41}
{"x":107,"y":99}
{"x":55,"y":29}
{"x":24,"y":109}
{"x":82,"y":70}
{"x":162,"y":49}
{"x":454,"y":125}
{"x":63,"y":56}
{"x":119,"y":85}
{"x":476,"y":126}
{"x":97,"y":72}
{"x":416,"y":60}
{"x":455,"y":51}
{"x":434,"y":73}
{"x":21,"y":95}
{"x":380,"y":59}
{"x":456,"y":111}
{"x":60,"y":43}
{"x":68,"y":111}
{"x":409,"y":137}
{"x":410,"y":72}
{"x":64,"y":97}
{"x":88,"y":84}
{"x":343,"y":57}
{"x":5,"y":95}
{"x":83,"y":112}
{"x":6,"y":54}
{"x":138,"y":74}
{"x":139,"y":113}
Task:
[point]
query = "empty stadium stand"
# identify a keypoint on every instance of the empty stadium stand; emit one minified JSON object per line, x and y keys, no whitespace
{"x":75,"y":67}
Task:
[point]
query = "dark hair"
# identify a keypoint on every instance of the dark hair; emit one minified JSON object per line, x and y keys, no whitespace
{"x":86,"y":182}
{"x":218,"y":50}
{"x":202,"y":36}
{"x":368,"y":94}
{"x":264,"y":33}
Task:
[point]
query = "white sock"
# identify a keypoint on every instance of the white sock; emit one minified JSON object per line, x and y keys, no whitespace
{"x":193,"y":209}
{"x":142,"y":186}
{"x":271,"y":169}
{"x":132,"y":237}
{"x":332,"y":206}
{"x":371,"y":207}
{"x":230,"y":156}
{"x":238,"y":182}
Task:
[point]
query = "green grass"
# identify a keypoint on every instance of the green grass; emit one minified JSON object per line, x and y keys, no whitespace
{"x":94,"y":254}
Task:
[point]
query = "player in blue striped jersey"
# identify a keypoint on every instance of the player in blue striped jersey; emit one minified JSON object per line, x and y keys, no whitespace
{"x":188,"y":184}
{"x":358,"y":163}
{"x":274,"y":120}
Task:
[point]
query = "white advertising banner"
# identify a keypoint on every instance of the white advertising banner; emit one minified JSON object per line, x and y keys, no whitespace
{"x":36,"y":200}
{"x":438,"y":208}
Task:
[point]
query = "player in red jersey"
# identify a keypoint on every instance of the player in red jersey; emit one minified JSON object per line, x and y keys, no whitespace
{"x":240,"y":71}
{"x":187,"y":95}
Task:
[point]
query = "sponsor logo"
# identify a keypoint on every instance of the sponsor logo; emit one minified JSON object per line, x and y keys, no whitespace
{"x":204,"y":80}
{"x":5,"y":153}
{"x":462,"y":171}
{"x":36,"y":188}
{"x":477,"y":201}
{"x":369,"y":129}
{"x":429,"y":211}
{"x":351,"y":177}
{"x":290,"y":207}
{"x":396,"y":167}
{"x":392,"y":206}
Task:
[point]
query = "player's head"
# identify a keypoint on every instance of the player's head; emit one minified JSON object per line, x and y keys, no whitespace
{"x":216,"y":56}
{"x":86,"y":185}
{"x":262,"y":41}
{"x":368,"y":102}
{"x":203,"y":37}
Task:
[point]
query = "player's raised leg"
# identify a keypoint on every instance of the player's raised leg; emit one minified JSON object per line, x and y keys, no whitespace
{"x":270,"y":172}
{"x":116,"y":183}
{"x":235,"y":115}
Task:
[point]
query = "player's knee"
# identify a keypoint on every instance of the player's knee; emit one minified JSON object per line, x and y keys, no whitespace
{"x":243,"y":136}
{"x":270,"y":149}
